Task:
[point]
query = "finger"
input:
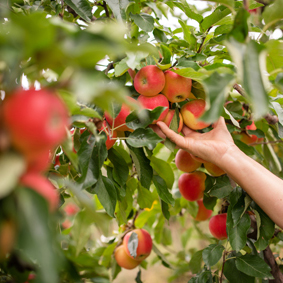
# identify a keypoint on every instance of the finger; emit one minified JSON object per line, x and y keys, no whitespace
{"x":219,"y":123}
{"x":187,"y":131}
{"x":174,"y":137}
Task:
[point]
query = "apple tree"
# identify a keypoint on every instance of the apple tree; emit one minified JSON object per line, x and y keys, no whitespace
{"x":89,"y":186}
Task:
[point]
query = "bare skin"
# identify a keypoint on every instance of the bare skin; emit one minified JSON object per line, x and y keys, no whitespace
{"x":217,"y":146}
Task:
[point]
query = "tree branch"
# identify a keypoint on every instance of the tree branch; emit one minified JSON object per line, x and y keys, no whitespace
{"x":203,"y":40}
{"x":108,"y":68}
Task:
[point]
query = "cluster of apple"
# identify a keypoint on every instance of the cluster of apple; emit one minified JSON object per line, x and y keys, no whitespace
{"x":192,"y":185}
{"x":35,"y":123}
{"x":136,"y":247}
{"x":158,"y":88}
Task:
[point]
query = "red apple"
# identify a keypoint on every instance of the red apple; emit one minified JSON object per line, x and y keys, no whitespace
{"x":213,"y":169}
{"x":198,"y":159}
{"x":177,"y":88}
{"x":149,"y":81}
{"x":151,"y":102}
{"x":144,"y":244}
{"x":192,"y":185}
{"x":39,"y":163}
{"x":217,"y":226}
{"x":185,"y":162}
{"x":203,"y":213}
{"x":43,"y":187}
{"x":132,"y":73}
{"x":71,"y":209}
{"x":120,"y":121}
{"x":124,"y":260}
{"x":167,"y":120}
{"x":111,"y":135}
{"x":191,"y":111}
{"x":35,"y":120}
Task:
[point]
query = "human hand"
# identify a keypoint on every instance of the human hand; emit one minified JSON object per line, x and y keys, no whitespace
{"x":210,"y":146}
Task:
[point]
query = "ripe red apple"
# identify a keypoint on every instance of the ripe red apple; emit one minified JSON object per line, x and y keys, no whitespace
{"x":191,"y":111}
{"x":151,"y":102}
{"x":198,"y":159}
{"x":132,"y":73}
{"x":203,"y":213}
{"x":192,"y":185}
{"x":217,"y":226}
{"x":111,"y":135}
{"x":213,"y":169}
{"x":35,"y":120}
{"x":39,"y":163}
{"x":144,"y":244}
{"x":167,"y":120}
{"x":120,"y":120}
{"x":185,"y":162}
{"x":43,"y":187}
{"x":149,"y":81}
{"x":71,"y":209}
{"x":177,"y":88}
{"x":124,"y":260}
{"x":249,"y":139}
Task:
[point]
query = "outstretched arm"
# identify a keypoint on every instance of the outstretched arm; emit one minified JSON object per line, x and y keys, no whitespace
{"x":217,"y":146}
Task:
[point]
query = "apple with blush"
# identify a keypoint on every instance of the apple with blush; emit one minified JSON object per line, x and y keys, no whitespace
{"x":203,"y":213}
{"x":192,"y":185}
{"x":213,"y":169}
{"x":149,"y":81}
{"x":111,"y":135}
{"x":191,"y":111}
{"x":217,"y":226}
{"x":167,"y":120}
{"x":144,"y":245}
{"x":177,"y":88}
{"x":151,"y":102}
{"x":124,"y":260}
{"x":185,"y":162}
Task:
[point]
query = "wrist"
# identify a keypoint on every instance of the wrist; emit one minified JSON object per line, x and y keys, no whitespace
{"x":232,"y":154}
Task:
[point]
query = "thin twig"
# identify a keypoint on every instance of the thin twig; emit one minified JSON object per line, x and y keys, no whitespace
{"x":222,"y":269}
{"x":104,"y":5}
{"x":239,"y":89}
{"x":108,"y":68}
{"x":203,"y":40}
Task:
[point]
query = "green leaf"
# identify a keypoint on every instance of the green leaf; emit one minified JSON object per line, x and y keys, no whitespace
{"x":191,"y":73}
{"x":12,"y":166}
{"x":143,"y":21}
{"x":250,"y":61}
{"x":162,"y":190}
{"x":145,"y":197}
{"x":212,"y":254}
{"x":222,"y":187}
{"x":272,"y":13}
{"x":185,"y":7}
{"x":106,"y":194}
{"x":265,"y":230}
{"x":240,"y":28}
{"x":218,"y":14}
{"x":165,"y":210}
{"x":166,"y":54}
{"x":121,"y":67}
{"x":92,"y":155}
{"x":216,"y":94}
{"x":237,"y":232}
{"x":143,"y":118}
{"x":142,"y":165}
{"x":118,"y":8}
{"x":107,"y":255}
{"x":161,"y":255}
{"x":188,"y":36}
{"x":159,"y":35}
{"x":34,"y":236}
{"x":144,"y":137}
{"x":164,"y":170}
{"x":81,"y":229}
{"x":274,"y":59}
{"x":195,"y":262}
{"x":120,"y":167}
{"x":233,"y":274}
{"x":253,"y":265}
{"x":138,"y":277}
{"x":81,"y":7}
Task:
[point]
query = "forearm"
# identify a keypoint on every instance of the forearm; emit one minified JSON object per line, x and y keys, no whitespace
{"x":265,"y":188}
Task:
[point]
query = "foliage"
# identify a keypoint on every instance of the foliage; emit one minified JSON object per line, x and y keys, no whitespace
{"x":83,"y":50}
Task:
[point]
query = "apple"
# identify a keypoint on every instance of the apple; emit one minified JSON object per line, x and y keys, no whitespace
{"x":124,"y":260}
{"x":213,"y":169}
{"x":217,"y":226}
{"x":39,"y":163}
{"x":149,"y":81}
{"x":132,"y":73}
{"x":185,"y":162}
{"x":42,"y":186}
{"x":168,"y":118}
{"x":192,"y":185}
{"x":144,"y":244}
{"x":71,"y":209}
{"x":198,"y":159}
{"x":35,"y":120}
{"x":177,"y":88}
{"x":120,"y":120}
{"x":191,"y":111}
{"x":111,"y":135}
{"x":249,"y":139}
{"x":151,"y":102}
{"x":203,"y":213}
